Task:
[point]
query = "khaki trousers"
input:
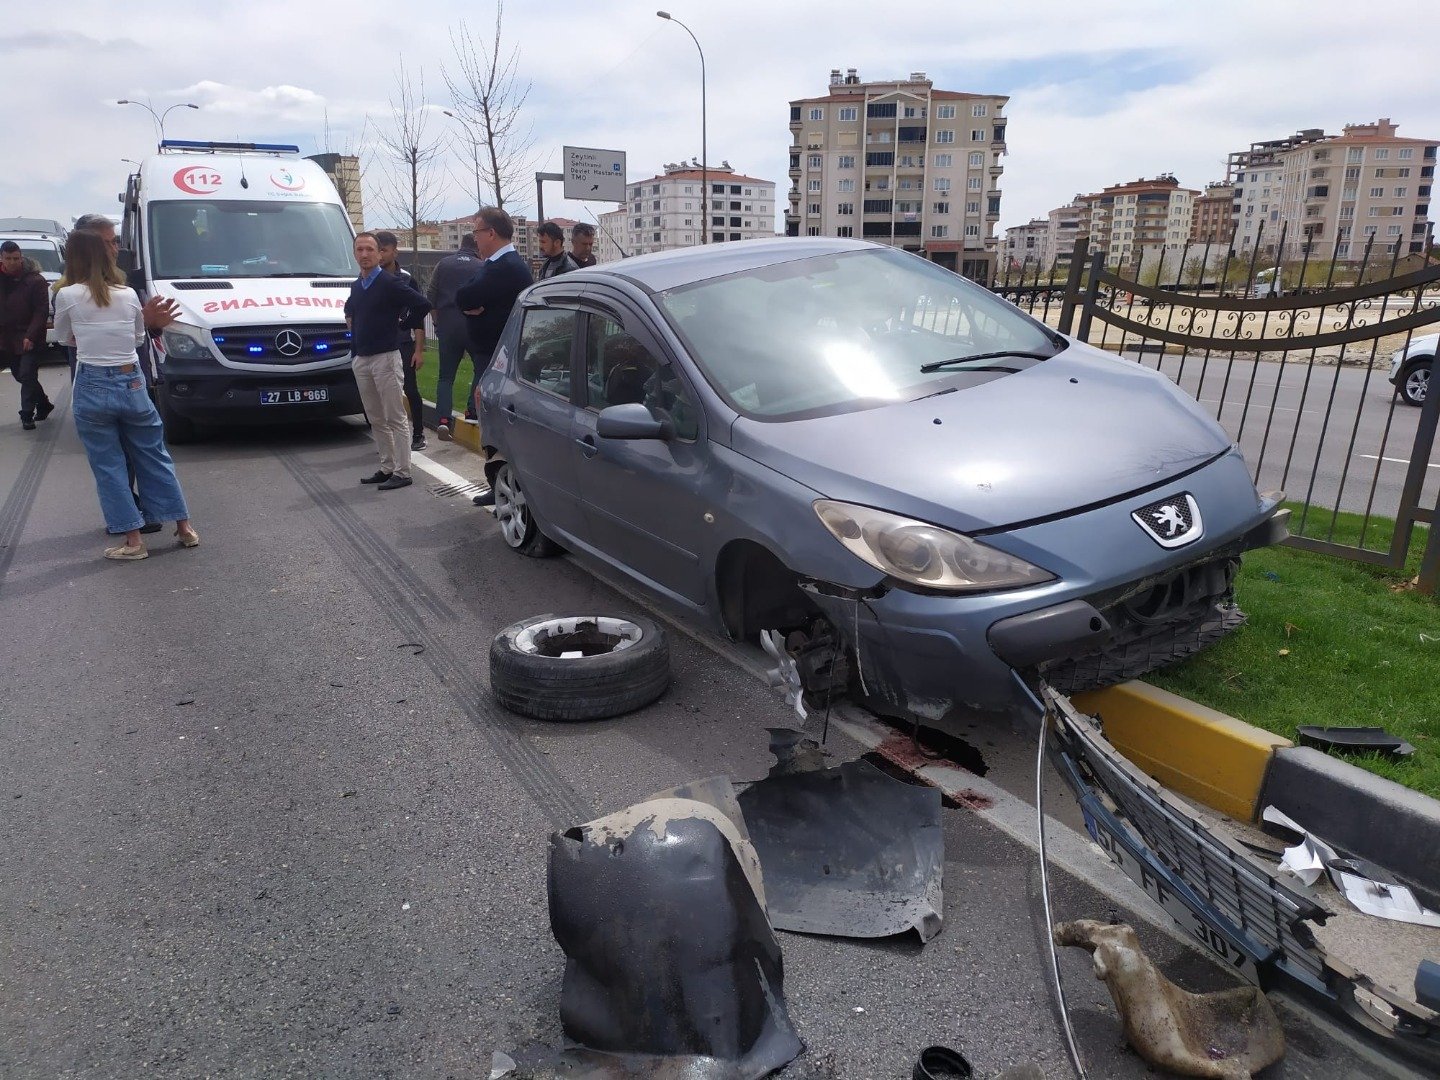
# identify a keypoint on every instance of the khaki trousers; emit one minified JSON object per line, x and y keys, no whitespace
{"x":382,"y":391}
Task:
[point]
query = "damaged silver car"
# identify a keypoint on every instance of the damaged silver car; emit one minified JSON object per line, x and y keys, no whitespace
{"x":921,"y":487}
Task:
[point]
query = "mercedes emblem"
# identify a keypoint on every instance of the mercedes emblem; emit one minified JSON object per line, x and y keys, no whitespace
{"x":289,"y":343}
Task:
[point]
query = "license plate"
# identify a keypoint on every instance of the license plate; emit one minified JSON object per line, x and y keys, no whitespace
{"x":298,"y":396}
{"x":1190,"y":921}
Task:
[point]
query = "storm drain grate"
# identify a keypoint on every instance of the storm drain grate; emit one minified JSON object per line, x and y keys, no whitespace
{"x":449,"y":491}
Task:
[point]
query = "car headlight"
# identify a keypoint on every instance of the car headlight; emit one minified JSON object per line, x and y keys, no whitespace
{"x":923,"y":554}
{"x":186,"y":342}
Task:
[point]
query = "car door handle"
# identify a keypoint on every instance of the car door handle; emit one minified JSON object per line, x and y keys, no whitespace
{"x":510,"y":413}
{"x":587,"y":446}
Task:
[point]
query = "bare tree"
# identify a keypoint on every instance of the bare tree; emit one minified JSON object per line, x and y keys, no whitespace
{"x":488,"y":98}
{"x":414,"y":150}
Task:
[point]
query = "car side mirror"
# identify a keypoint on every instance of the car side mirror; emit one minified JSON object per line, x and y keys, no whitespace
{"x":631,"y":421}
{"x":125,"y":259}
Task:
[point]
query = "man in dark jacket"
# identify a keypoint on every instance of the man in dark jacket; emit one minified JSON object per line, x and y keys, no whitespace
{"x":582,"y":244}
{"x":24,"y":309}
{"x":450,"y":273}
{"x":552,"y":246}
{"x":376,"y":302}
{"x":488,"y":297}
{"x":411,"y":339}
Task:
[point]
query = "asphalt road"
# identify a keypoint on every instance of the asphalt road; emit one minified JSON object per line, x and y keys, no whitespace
{"x":262,"y":818}
{"x":1336,"y":434}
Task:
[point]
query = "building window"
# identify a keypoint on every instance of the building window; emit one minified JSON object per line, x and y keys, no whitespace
{"x":972,"y":206}
{"x":848,"y":113}
{"x":717,"y":189}
{"x":942,"y":184}
{"x":1402,"y":193}
{"x":945,"y":135}
{"x":810,"y":230}
{"x":794,"y":114}
{"x":977,"y":159}
{"x":1402,"y":172}
{"x":815,"y":185}
{"x":844,"y":185}
{"x":909,"y":112}
{"x":717,"y":221}
{"x":940,"y":207}
{"x":1354,"y":154}
{"x":979,"y":109}
{"x":735,"y":204}
{"x":815,"y":161}
{"x":880,"y":110}
{"x":749,"y":224}
{"x":972,"y":230}
{"x":654,"y":221}
{"x":814,"y":210}
{"x":845,"y":209}
{"x":1392,"y":230}
{"x":735,"y":221}
{"x":717,"y":238}
{"x":845,"y":161}
{"x":944,"y":161}
{"x":1381,"y":153}
{"x":939,"y":232}
{"x":817,"y":113}
{"x":945,"y":112}
{"x":978,"y":134}
{"x":1406,"y":152}
{"x":845,"y":230}
{"x":1397,"y":211}
{"x":657,"y":237}
{"x":689,"y":221}
{"x":734,"y":189}
{"x":973,"y":183}
{"x":1377,"y":193}
{"x":736,"y":235}
{"x":879,"y":157}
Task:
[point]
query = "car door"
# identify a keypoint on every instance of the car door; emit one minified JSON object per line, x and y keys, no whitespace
{"x":643,"y":499}
{"x":537,"y":405}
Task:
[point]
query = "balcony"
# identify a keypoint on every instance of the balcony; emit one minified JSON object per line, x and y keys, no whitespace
{"x":996,"y":170}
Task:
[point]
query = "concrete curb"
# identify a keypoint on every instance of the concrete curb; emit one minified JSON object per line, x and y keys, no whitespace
{"x":466,"y":435}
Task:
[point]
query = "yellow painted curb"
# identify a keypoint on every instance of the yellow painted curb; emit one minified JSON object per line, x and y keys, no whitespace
{"x":1194,"y":750}
{"x":466,"y":435}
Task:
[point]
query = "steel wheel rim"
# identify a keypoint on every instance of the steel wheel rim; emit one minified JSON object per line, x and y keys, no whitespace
{"x":608,"y":634}
{"x":510,"y":507}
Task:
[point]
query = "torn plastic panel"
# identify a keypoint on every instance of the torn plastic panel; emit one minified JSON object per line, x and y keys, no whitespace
{"x":847,"y":850}
{"x":1249,"y":919}
{"x":660,"y":910}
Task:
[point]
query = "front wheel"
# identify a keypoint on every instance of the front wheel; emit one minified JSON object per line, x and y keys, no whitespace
{"x":1414,"y":383}
{"x":517,"y":523}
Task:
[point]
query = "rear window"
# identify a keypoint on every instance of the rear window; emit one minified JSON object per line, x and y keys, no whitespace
{"x":845,"y":331}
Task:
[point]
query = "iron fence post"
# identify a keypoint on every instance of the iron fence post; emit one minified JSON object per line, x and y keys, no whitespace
{"x":1092,"y":293}
{"x":1072,"y":284}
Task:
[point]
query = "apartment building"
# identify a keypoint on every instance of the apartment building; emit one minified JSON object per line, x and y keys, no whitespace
{"x":899,"y":162}
{"x":1254,"y":176}
{"x":344,"y":173}
{"x":1066,"y":224}
{"x":670,"y":210}
{"x":1127,"y":221}
{"x":1214,"y":216}
{"x":526,"y":242}
{"x":1365,"y":183}
{"x":1028,"y":245}
{"x":609,"y":235}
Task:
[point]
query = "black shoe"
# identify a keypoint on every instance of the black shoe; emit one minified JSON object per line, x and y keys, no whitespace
{"x":44,"y":411}
{"x":485,"y":498}
{"x":26,"y":422}
{"x":395,"y":482}
{"x":443,"y":430}
{"x":152,"y":526}
{"x":379,"y":477}
{"x":417,"y":443}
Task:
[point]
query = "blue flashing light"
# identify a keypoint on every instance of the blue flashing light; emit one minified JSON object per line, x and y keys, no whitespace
{"x":347,"y":333}
{"x":194,"y":144}
{"x":255,"y":349}
{"x":320,"y":346}
{"x":219,"y":340}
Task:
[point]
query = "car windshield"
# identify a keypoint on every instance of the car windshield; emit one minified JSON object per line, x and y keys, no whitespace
{"x":200,"y":238}
{"x":46,"y":256}
{"x":845,"y":331}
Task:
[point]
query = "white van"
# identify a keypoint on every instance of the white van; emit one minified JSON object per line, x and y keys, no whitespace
{"x":255,"y":245}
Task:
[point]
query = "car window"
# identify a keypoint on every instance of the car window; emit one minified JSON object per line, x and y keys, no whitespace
{"x":546,"y":338}
{"x":842,"y":331}
{"x":620,"y":370}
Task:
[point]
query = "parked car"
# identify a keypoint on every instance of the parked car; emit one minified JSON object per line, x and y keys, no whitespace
{"x":917,"y":485}
{"x":1410,"y":368}
{"x":47,"y":251}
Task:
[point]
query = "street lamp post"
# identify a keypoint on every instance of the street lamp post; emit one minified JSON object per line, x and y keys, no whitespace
{"x":159,"y":120}
{"x":474,"y":153}
{"x":704,"y":151}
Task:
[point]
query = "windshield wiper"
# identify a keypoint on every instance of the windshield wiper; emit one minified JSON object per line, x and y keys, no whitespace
{"x":939,"y":364}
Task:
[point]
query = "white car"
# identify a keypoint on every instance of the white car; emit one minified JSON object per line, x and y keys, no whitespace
{"x":1410,"y":368}
{"x":47,"y":251}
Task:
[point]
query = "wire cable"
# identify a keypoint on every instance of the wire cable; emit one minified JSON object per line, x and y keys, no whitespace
{"x":1059,"y":986}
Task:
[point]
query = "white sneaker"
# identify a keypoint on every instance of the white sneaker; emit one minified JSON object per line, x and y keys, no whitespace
{"x":444,"y":433}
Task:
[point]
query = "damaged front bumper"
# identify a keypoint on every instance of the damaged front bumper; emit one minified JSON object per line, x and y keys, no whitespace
{"x":1233,"y":905}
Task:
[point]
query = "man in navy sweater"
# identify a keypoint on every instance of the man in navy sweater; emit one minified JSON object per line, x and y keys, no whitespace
{"x":490,"y":294}
{"x":373,"y":311}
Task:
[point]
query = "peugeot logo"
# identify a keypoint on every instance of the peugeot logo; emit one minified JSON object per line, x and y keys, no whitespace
{"x":1172,"y":522}
{"x":289,"y":343}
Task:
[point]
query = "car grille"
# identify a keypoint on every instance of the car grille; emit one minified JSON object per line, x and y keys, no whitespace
{"x":305,"y":343}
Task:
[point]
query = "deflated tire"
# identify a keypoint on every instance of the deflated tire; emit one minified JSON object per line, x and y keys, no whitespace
{"x":579,"y":667}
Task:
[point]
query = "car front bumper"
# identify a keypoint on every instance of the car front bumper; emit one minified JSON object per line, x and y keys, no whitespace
{"x":207,"y":391}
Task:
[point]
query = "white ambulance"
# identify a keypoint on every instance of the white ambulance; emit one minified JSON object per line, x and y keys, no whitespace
{"x":254,"y":243}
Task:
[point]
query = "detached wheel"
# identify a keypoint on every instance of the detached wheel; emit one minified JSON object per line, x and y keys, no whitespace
{"x":579,"y":667}
{"x":1415,"y":383}
{"x":517,"y":523}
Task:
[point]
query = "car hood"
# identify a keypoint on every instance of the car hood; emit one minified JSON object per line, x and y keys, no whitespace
{"x":1079,"y":429}
{"x":258,"y":301}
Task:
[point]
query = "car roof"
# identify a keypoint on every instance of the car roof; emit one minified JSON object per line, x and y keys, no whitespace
{"x":31,"y":236}
{"x":663,"y":270}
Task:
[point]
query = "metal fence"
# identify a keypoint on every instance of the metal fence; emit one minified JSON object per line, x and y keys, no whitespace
{"x":1292,"y":357}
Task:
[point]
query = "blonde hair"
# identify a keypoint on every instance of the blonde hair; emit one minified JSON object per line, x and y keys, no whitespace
{"x":88,"y":262}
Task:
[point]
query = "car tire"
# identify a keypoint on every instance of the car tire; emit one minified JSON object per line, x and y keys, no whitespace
{"x":624,"y":665}
{"x":178,"y":429}
{"x":1414,"y":381}
{"x":517,"y":522}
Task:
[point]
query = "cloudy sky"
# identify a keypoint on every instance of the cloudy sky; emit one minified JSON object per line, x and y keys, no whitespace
{"x":1100,"y":92}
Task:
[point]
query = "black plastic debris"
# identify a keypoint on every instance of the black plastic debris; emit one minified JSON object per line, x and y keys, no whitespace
{"x":941,"y":1063}
{"x":1353,"y":740}
{"x":845,"y":851}
{"x":670,"y":958}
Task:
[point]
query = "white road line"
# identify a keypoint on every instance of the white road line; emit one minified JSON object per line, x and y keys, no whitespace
{"x":1397,"y":460}
{"x":438,"y":471}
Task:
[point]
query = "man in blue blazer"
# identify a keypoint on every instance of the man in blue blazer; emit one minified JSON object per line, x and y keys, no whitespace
{"x":490,"y":295}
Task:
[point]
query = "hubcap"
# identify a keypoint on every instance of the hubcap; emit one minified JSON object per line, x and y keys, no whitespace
{"x":510,"y":507}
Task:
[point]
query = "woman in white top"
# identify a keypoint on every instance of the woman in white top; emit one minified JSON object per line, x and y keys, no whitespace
{"x":114,"y":415}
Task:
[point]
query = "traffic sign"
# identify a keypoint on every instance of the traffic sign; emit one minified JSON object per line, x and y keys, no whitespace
{"x":597,"y":175}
